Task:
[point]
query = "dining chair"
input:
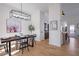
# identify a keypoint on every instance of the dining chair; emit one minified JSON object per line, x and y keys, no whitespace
{"x":23,"y":44}
{"x":17,"y":42}
{"x":2,"y":45}
{"x":31,"y":38}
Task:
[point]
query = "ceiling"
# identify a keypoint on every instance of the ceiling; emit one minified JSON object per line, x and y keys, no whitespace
{"x":70,"y":9}
{"x":24,"y":5}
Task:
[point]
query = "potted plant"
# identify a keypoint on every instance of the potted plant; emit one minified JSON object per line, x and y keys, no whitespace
{"x":31,"y":28}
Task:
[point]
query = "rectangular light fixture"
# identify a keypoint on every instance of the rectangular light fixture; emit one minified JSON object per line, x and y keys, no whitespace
{"x":19,"y":14}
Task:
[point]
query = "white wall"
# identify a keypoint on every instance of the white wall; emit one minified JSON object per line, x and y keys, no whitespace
{"x":4,"y":15}
{"x":28,"y":8}
{"x":36,"y":23}
{"x":54,"y":35}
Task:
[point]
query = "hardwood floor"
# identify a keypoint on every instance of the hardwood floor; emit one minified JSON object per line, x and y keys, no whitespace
{"x":42,"y":48}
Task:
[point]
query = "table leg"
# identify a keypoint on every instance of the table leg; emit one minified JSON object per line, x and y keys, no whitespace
{"x":33,"y":42}
{"x":27,"y":44}
{"x":9,"y":48}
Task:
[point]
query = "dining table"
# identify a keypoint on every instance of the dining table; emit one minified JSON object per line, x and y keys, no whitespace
{"x":17,"y":38}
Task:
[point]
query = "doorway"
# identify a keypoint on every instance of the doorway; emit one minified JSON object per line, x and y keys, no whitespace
{"x":46,"y":31}
{"x":72,"y":30}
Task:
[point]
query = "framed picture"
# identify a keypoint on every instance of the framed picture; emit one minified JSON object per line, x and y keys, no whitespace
{"x":54,"y":25}
{"x":13,"y":25}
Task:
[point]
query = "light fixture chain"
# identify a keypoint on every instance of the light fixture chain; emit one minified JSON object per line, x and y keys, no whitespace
{"x":21,"y":8}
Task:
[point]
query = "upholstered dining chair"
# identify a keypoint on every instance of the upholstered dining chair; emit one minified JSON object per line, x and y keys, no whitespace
{"x":2,"y":45}
{"x":31,"y":38}
{"x":22,"y":43}
{"x":17,"y":43}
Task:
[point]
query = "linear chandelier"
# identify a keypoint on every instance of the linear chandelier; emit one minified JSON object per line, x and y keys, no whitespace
{"x":20,"y":14}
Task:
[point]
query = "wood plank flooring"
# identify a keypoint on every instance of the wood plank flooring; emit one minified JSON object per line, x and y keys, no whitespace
{"x":42,"y":48}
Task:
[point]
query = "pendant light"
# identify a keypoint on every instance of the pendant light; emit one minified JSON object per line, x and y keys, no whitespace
{"x":62,"y":12}
{"x":20,"y":14}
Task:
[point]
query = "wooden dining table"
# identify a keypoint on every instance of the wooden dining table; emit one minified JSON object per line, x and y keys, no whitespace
{"x":15,"y":38}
